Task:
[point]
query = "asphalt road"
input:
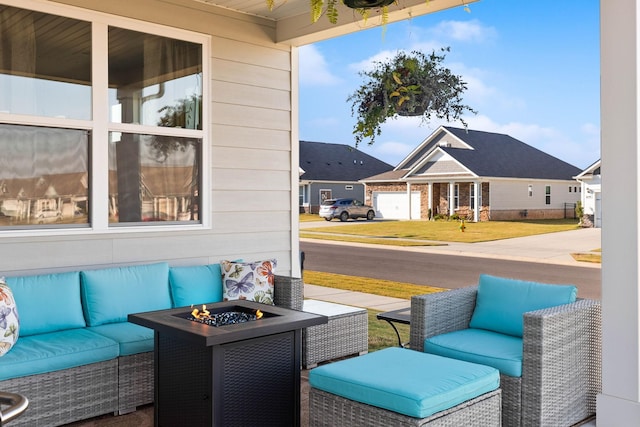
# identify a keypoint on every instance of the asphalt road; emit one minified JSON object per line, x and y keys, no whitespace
{"x":444,"y":271}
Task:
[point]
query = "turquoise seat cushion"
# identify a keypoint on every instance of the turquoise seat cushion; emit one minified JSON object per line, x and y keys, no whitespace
{"x":503,"y":352}
{"x":47,"y":302}
{"x":501,"y":303}
{"x":131,"y":339}
{"x":54,"y":351}
{"x":405,"y":381}
{"x":199,"y":284}
{"x":111,"y":294}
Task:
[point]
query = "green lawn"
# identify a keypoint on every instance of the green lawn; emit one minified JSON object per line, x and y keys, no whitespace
{"x":440,"y":231}
{"x":381,"y":334}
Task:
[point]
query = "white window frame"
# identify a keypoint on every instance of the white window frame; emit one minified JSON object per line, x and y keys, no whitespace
{"x":547,"y":195}
{"x":100,"y":126}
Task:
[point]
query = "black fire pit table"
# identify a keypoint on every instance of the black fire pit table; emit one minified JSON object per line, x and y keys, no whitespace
{"x":242,"y":374}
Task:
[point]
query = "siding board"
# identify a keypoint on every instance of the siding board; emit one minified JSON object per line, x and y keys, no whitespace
{"x":251,"y":75}
{"x":257,"y":202}
{"x":233,"y":93}
{"x":237,"y":115}
{"x":248,"y":53}
{"x":250,"y":158}
{"x":244,"y":137}
{"x":245,"y":180}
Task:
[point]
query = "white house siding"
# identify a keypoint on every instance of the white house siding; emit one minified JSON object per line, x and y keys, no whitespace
{"x":250,"y":157}
{"x":592,"y":199}
{"x":510,"y":199}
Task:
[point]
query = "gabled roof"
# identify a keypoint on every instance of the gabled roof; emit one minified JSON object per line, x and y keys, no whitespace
{"x":323,"y":161}
{"x":486,"y":154}
{"x":593,"y":169}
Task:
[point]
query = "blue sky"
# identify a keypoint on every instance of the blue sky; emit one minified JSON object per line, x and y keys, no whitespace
{"x":532,"y":71}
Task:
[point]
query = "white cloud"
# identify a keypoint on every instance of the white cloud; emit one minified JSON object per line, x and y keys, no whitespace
{"x":314,"y":69}
{"x":466,"y":31}
{"x":368,"y":63}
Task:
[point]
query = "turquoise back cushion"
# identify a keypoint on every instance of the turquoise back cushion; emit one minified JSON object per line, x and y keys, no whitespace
{"x":199,"y":284}
{"x":501,"y":302}
{"x":109,"y":295}
{"x":48,"y":302}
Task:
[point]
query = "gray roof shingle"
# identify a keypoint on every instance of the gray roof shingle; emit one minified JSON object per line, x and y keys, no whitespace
{"x":323,"y":161}
{"x":499,"y":155}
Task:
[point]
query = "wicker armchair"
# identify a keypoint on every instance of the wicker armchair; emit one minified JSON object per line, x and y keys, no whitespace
{"x":561,"y":366}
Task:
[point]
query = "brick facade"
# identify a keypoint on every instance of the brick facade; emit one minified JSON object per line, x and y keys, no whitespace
{"x":440,"y":198}
{"x":441,"y":202}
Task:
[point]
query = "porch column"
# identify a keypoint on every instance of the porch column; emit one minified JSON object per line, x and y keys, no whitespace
{"x":450,"y":197}
{"x":409,"y":198}
{"x":430,"y":198}
{"x":476,"y":198}
{"x":619,"y":402}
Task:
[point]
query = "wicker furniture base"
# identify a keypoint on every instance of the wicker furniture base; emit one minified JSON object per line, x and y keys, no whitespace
{"x":330,"y":410}
{"x":65,"y":396}
{"x":345,"y":334}
{"x":135,"y":381}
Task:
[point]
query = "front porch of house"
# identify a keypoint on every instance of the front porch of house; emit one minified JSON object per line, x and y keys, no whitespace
{"x":441,"y":199}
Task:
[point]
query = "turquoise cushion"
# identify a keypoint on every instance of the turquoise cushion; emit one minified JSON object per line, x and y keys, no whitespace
{"x":54,"y":351}
{"x":198,"y":284}
{"x":503,"y":352}
{"x":48,"y":302}
{"x":132,"y":339}
{"x":405,"y":381}
{"x":111,"y":294}
{"x":501,"y":302}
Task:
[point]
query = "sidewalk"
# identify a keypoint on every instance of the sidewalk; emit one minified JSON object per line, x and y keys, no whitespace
{"x":551,"y":248}
{"x":357,"y":299}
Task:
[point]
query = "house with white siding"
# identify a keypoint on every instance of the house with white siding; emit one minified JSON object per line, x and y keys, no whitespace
{"x":331,"y":171}
{"x":478,"y":176}
{"x":109,"y":88}
{"x":590,"y":181}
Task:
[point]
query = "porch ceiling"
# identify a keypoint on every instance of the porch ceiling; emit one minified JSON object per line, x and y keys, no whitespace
{"x":293,"y":22}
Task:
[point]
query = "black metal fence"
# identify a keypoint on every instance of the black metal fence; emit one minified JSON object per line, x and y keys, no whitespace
{"x":570,"y":211}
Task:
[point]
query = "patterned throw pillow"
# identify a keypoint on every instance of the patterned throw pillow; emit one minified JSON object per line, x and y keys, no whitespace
{"x":252,"y":281}
{"x":9,"y":321}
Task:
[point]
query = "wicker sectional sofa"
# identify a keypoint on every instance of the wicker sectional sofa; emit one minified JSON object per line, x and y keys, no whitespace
{"x":77,"y":356}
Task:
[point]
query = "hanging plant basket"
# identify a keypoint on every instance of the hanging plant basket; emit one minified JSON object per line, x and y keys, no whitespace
{"x":367,"y":4}
{"x":409,"y":84}
{"x":329,"y":8}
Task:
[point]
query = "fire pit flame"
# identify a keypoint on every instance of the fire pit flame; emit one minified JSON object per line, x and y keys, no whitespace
{"x":224,"y":318}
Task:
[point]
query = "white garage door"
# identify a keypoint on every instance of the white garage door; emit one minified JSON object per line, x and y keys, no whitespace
{"x":395,"y":204}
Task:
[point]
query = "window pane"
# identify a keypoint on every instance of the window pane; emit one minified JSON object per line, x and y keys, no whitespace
{"x":45,"y":64}
{"x":153,"y":178}
{"x":153,"y":80}
{"x":43,"y":176}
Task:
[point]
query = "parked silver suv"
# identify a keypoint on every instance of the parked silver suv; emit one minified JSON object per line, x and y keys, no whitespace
{"x":345,"y":209}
